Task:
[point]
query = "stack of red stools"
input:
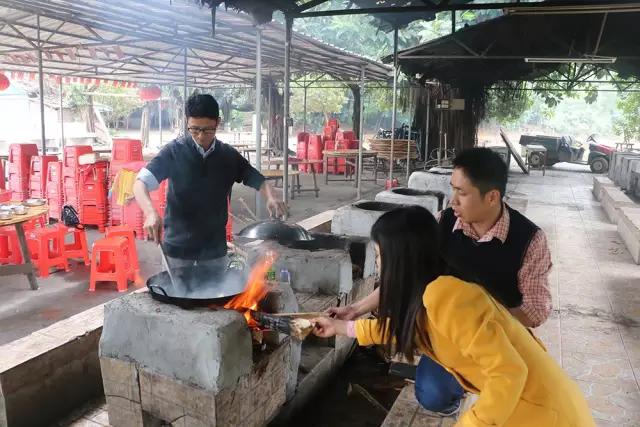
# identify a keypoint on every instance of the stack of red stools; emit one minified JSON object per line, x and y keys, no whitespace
{"x":19,"y":164}
{"x":70,"y":173}
{"x":55,"y":192}
{"x":315,"y":149}
{"x":3,"y":177}
{"x":125,"y":153}
{"x":129,"y":214}
{"x":302,"y":150}
{"x":38,"y":175}
{"x":93,"y":194}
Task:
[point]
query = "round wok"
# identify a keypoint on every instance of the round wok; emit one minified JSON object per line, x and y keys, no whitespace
{"x":275,"y":229}
{"x":197,"y":286}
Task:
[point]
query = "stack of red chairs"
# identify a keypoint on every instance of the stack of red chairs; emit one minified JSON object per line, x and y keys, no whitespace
{"x":302,"y":150}
{"x":38,"y":175}
{"x":93,"y":194}
{"x":125,"y":153}
{"x":315,"y":149}
{"x":19,"y":164}
{"x":117,"y":212}
{"x":70,"y":173}
{"x":55,"y":192}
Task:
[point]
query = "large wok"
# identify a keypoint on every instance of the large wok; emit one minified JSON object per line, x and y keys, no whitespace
{"x":276,"y":229}
{"x":197,"y":286}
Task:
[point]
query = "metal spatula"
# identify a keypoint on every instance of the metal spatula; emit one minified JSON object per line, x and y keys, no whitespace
{"x":165,"y":262}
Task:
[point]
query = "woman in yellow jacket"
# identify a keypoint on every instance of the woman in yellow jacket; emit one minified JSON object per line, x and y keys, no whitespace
{"x":461,"y":327}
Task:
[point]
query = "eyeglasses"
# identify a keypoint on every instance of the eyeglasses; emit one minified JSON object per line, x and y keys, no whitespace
{"x":195,"y":131}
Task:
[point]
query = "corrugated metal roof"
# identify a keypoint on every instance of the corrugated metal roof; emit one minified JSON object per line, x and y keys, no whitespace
{"x":122,"y":40}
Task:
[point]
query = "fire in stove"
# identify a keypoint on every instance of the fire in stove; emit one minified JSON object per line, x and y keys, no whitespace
{"x":249,"y":301}
{"x":255,"y":290}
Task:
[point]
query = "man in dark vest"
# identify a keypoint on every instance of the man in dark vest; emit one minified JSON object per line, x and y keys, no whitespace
{"x":201,"y":172}
{"x":487,"y":242}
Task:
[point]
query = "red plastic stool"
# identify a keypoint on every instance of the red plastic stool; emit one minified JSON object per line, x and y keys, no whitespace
{"x":10,"y":252}
{"x":130,"y":235}
{"x":78,"y":247}
{"x":48,"y":251}
{"x":110,"y":263}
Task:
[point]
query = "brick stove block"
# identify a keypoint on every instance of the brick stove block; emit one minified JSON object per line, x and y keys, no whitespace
{"x":329,"y":271}
{"x":433,"y":201}
{"x":358,"y":218}
{"x":436,"y":179}
{"x":599,"y":182}
{"x":207,"y":348}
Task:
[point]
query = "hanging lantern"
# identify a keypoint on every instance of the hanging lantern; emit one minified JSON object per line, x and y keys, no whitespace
{"x":151,"y":93}
{"x":4,"y":82}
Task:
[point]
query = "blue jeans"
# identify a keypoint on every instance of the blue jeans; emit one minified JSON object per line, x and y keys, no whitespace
{"x":436,"y":389}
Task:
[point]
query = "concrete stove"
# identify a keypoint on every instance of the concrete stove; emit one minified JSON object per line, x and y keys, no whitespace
{"x":163,"y":365}
{"x":431,"y":200}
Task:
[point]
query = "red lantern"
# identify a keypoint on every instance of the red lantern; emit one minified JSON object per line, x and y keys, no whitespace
{"x":150,"y":93}
{"x":4,"y":82}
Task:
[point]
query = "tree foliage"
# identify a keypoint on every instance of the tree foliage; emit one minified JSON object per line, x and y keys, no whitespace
{"x":628,"y":123}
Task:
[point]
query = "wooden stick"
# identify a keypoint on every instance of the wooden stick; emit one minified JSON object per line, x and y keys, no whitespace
{"x":308,"y":315}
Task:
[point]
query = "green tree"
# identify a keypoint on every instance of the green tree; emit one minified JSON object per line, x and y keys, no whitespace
{"x":628,"y":124}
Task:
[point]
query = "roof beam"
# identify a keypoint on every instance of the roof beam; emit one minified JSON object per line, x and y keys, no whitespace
{"x":467,"y":6}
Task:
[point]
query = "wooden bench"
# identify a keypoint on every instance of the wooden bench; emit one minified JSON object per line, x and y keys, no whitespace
{"x":295,"y":165}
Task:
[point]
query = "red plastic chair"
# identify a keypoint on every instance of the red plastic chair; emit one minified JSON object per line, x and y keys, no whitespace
{"x":78,"y":247}
{"x":128,"y":233}
{"x":110,"y":263}
{"x":48,"y":249}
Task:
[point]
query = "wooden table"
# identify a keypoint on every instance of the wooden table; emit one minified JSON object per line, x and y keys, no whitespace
{"x":295,"y":165}
{"x":349,"y":155}
{"x":27,"y":267}
{"x":278,"y":175}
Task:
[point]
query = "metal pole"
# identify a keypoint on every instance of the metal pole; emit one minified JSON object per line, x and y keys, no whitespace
{"x":258,"y":113}
{"x":269,"y":122}
{"x":409,"y":136}
{"x":361,"y":136}
{"x":160,"y":118}
{"x":426,"y":133}
{"x":287,"y":78}
{"x":395,"y":96}
{"x":61,"y":118}
{"x":41,"y":84}
{"x":185,"y":90}
{"x":304,"y":114}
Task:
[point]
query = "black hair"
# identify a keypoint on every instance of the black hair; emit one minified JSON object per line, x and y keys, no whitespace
{"x":409,"y":243}
{"x":202,"y":105}
{"x":485,"y":169}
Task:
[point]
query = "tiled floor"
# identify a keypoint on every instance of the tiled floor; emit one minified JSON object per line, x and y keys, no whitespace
{"x":594,"y":331}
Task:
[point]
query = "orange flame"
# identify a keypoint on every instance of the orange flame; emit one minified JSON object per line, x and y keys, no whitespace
{"x":255,"y":290}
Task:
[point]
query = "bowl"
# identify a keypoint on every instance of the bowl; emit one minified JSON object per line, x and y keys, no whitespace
{"x":5,"y":215}
{"x":20,"y":210}
{"x":34,"y":202}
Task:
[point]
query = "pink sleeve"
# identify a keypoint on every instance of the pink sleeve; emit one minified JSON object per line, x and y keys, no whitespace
{"x":351,"y":329}
{"x":533,"y":280}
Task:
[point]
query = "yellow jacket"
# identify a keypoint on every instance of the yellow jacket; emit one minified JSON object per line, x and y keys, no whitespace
{"x":492,"y":354}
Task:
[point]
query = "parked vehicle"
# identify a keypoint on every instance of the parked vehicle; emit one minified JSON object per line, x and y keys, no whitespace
{"x":566,"y":149}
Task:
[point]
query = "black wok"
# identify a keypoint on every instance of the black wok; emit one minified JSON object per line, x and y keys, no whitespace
{"x":197,"y":286}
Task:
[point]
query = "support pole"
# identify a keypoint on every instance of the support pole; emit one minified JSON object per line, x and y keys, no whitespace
{"x":361,"y":136}
{"x":43,"y":140}
{"x":287,"y":82}
{"x":410,"y":127}
{"x":395,"y":96}
{"x":426,"y":133}
{"x":258,"y":113}
{"x":160,"y":119}
{"x":185,"y":91}
{"x":269,"y":122}
{"x":304,"y":114}
{"x":61,"y":118}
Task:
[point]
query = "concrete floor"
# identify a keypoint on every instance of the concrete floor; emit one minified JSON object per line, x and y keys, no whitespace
{"x":62,"y":295}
